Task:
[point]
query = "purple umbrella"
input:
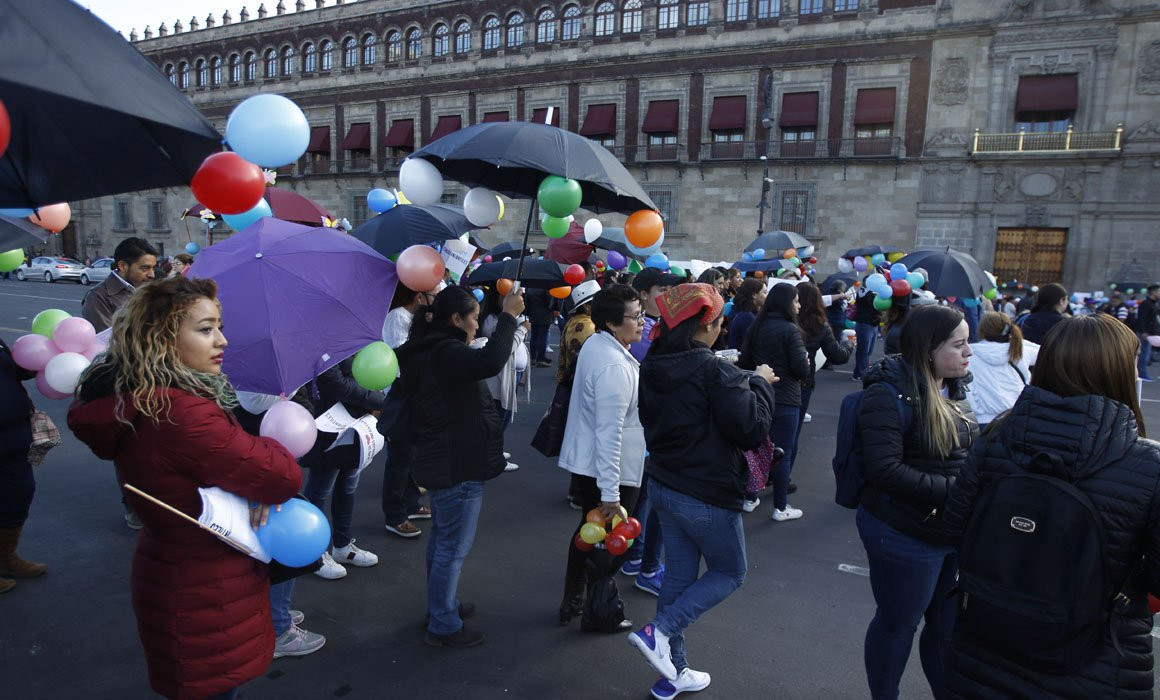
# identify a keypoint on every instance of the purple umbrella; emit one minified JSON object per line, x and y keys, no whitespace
{"x":296,"y":300}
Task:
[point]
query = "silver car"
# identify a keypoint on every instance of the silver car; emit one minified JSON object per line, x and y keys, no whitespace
{"x":51,"y":270}
{"x":97,"y":272}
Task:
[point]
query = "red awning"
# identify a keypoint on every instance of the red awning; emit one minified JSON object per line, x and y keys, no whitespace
{"x":402,"y":134}
{"x":319,"y":140}
{"x":728,"y":113}
{"x":600,"y":121}
{"x":661,"y":117}
{"x":358,"y":138}
{"x":1047,"y":93}
{"x":446,"y":125}
{"x":541,"y":113}
{"x":874,"y":106}
{"x":495,"y":117}
{"x":799,"y":109}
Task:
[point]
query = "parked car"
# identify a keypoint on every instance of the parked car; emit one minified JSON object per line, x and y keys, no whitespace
{"x":97,"y":272}
{"x":51,"y":270}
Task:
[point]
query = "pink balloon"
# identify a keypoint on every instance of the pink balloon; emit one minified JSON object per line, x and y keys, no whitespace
{"x":291,"y":425}
{"x":74,"y":334}
{"x":420,"y":268}
{"x":45,"y":389}
{"x":33,"y":351}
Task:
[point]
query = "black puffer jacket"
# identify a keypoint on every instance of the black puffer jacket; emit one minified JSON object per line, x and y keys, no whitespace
{"x":836,"y":353}
{"x":699,"y":412}
{"x":458,"y":436}
{"x":15,"y":408}
{"x":1097,"y":439}
{"x":906,"y":485}
{"x":1036,"y":325}
{"x":778,"y":343}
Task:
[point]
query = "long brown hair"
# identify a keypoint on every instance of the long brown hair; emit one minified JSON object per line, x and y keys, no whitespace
{"x":998,"y":328}
{"x":746,"y":297}
{"x":812,"y":317}
{"x":926,"y":329}
{"x":1090,"y":356}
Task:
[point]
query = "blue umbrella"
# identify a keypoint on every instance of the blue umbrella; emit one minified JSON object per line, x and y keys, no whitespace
{"x":296,"y":300}
{"x":403,"y":226}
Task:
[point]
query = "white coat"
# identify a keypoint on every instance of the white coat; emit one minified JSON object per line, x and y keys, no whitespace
{"x":996,"y":383}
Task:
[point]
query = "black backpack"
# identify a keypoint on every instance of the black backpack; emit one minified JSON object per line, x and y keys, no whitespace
{"x":1032,"y":571}
{"x":849,"y":475}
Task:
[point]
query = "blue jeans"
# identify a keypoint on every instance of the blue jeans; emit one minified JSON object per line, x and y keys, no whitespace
{"x":454,"y":516}
{"x":911,"y":580}
{"x":783,"y":432}
{"x":319,"y":486}
{"x":1144,"y":358}
{"x":867,"y":335}
{"x":647,"y":547}
{"x":540,"y":341}
{"x":695,"y":530}
{"x":280,"y":605}
{"x":807,"y":394}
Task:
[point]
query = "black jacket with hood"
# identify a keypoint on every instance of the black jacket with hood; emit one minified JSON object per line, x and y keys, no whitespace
{"x":907,"y":485}
{"x":457,"y":430}
{"x":699,"y":414}
{"x":1100,"y":445}
{"x":778,"y":342}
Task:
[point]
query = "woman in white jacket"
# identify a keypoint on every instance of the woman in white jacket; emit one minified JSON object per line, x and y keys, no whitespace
{"x":999,"y":366}
{"x":503,"y":386}
{"x":604,"y":450}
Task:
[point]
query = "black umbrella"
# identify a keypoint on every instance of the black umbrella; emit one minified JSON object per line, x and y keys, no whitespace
{"x":828,"y":284}
{"x":20,"y":233}
{"x":406,"y":225}
{"x":539,"y":274}
{"x":872,"y":250}
{"x":950,"y":272}
{"x":776,"y":241}
{"x":767,"y":265}
{"x":90,"y":115}
{"x":505,"y":250}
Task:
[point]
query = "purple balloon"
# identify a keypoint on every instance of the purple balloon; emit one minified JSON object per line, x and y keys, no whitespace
{"x":616,"y":260}
{"x":49,"y":392}
{"x":33,"y":351}
{"x":291,"y":425}
{"x":860,"y":264}
{"x":74,"y":334}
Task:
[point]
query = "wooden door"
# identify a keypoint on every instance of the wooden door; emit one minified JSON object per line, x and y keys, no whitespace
{"x":1033,"y":256}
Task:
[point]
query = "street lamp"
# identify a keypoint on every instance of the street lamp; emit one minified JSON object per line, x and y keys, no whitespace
{"x":767,"y":122}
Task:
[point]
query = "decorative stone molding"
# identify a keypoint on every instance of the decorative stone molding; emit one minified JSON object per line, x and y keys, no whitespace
{"x":1148,"y":131}
{"x":1036,"y":215}
{"x":148,"y":32}
{"x":951,"y":81}
{"x":947,"y":138}
{"x":1057,"y":36}
{"x":1003,"y":185}
{"x":177,"y":27}
{"x":244,"y":15}
{"x":1148,"y":71}
{"x":163,"y":30}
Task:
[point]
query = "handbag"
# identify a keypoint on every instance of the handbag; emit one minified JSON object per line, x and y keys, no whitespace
{"x":45,"y":436}
{"x":759,"y":461}
{"x":549,"y":437}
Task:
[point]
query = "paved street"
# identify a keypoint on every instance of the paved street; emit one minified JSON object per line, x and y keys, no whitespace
{"x":794,"y":630}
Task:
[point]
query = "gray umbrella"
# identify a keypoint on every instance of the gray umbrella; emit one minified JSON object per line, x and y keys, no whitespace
{"x":20,"y":233}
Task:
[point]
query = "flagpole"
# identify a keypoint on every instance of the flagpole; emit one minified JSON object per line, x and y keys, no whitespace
{"x":240,"y":547}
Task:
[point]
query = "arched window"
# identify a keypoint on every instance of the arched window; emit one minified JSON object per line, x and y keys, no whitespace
{"x":462,"y":37}
{"x":251,"y":65}
{"x":546,"y":26}
{"x":325,"y":55}
{"x":491,"y":29}
{"x":271,"y":64}
{"x":736,"y":10}
{"x":287,"y":61}
{"x":439,"y":41}
{"x":183,"y":75}
{"x":215,"y":71}
{"x":570,"y":31}
{"x":515,"y":30}
{"x":170,"y":74}
{"x":414,"y":43}
{"x":235,"y":68}
{"x":605,"y":19}
{"x":394,"y":47}
{"x":309,"y":59}
{"x":349,"y":52}
{"x":202,"y":73}
{"x":369,"y":49}
{"x":668,"y":14}
{"x":631,"y":22}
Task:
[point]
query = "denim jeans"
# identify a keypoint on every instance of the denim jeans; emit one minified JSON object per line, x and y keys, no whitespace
{"x":807,"y":394}
{"x":280,"y":605}
{"x":647,"y":547}
{"x":540,"y":341}
{"x":695,"y":530}
{"x":911,"y":580}
{"x":321,"y":483}
{"x":867,"y":335}
{"x":1144,"y":358}
{"x":400,"y":492}
{"x":454,"y":516}
{"x":783,"y":432}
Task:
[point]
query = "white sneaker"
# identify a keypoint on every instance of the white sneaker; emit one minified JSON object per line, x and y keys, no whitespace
{"x":653,"y":645}
{"x":507,"y":455}
{"x":749,"y":506}
{"x":807,"y":418}
{"x":688,"y":681}
{"x":511,"y":467}
{"x":297,"y":642}
{"x":353,"y":556}
{"x":331,"y":569}
{"x":790,"y":513}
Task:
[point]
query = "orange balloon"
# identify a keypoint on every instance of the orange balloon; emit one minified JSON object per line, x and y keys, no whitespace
{"x":644,"y":228}
{"x":52,"y":217}
{"x":788,"y":253}
{"x":503,"y":286}
{"x":595,"y":516}
{"x":560,"y":292}
{"x":759,"y":274}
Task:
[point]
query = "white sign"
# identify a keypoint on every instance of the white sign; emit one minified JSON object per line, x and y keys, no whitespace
{"x":227,"y":516}
{"x":456,"y":256}
{"x":365,"y":433}
{"x":335,"y":420}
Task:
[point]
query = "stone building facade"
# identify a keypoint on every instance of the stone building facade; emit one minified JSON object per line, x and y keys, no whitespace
{"x":882,"y":121}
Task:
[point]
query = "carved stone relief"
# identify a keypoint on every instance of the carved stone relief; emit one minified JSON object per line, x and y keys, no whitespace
{"x":1036,"y":215}
{"x":1004,"y":185}
{"x":1148,"y":73}
{"x":951,"y":81}
{"x":1149,"y":130}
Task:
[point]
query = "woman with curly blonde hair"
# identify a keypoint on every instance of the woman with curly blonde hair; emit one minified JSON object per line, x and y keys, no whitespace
{"x":158,"y":405}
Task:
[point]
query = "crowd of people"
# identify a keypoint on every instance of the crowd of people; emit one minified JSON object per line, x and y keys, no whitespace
{"x":678,"y":401}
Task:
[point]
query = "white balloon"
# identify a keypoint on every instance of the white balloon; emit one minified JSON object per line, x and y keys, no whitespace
{"x":481,"y":206}
{"x":592,"y":230}
{"x":256,"y":403}
{"x":62,"y":372}
{"x":420,"y":181}
{"x":845,"y":266}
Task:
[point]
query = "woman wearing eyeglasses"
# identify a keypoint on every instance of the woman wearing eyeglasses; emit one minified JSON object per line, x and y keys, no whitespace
{"x":604,"y":450}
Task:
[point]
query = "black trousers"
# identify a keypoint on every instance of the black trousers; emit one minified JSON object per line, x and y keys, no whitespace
{"x":17,"y":486}
{"x":585,"y":568}
{"x":400,"y":492}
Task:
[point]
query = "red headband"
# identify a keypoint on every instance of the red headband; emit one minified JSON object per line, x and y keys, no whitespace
{"x":684,"y":301}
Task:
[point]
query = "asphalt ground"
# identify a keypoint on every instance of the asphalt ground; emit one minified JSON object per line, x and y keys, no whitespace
{"x":795,"y":629}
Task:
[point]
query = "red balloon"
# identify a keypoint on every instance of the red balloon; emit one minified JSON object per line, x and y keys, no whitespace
{"x":813,"y":261}
{"x":634,"y":528}
{"x":574,"y":274}
{"x":624,"y":530}
{"x":420,"y":268}
{"x":581,"y":544}
{"x":901,"y":288}
{"x":5,"y":128}
{"x":228,"y":184}
{"x":616,"y":544}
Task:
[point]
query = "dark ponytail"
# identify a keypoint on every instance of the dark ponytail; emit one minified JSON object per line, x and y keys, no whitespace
{"x":437,"y":316}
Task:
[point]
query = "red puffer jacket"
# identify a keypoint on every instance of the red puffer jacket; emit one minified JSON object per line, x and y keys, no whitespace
{"x":203,"y":609}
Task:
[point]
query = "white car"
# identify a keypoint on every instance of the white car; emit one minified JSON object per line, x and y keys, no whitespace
{"x":97,"y":272}
{"x":51,"y":270}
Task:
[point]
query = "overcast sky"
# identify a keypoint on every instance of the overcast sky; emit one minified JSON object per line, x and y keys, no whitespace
{"x":125,"y":15}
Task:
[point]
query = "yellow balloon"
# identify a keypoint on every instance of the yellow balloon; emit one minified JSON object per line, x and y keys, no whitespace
{"x":592,"y":533}
{"x":501,"y":207}
{"x":401,"y":198}
{"x":895,"y":257}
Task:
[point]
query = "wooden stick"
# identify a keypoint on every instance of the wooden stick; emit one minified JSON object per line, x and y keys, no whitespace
{"x":236,"y":545}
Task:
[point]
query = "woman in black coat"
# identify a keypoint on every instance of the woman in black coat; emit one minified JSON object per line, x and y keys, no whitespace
{"x":1085,"y":415}
{"x":17,"y":485}
{"x":817,"y":335}
{"x":1050,"y":303}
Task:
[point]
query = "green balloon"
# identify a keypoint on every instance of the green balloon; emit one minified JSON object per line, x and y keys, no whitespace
{"x":1112,"y":285}
{"x":678,"y":271}
{"x":555,"y":227}
{"x":850,"y":324}
{"x":991,"y":293}
{"x":375,"y":366}
{"x":11,"y":260}
{"x":45,"y":321}
{"x":634,"y":266}
{"x":559,"y":196}
{"x":795,"y":261}
{"x":882,"y":303}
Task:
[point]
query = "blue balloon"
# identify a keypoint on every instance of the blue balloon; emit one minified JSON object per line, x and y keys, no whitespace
{"x":645,"y":252}
{"x":380,"y":200}
{"x":915,"y":279}
{"x":728,"y":307}
{"x":658,"y":260}
{"x":898,"y":271}
{"x":759,"y":253}
{"x":878,"y":258}
{"x":192,"y":248}
{"x":874,"y":281}
{"x":970,"y":302}
{"x":269,"y":130}
{"x":478,"y":294}
{"x":747,"y":257}
{"x":240,"y":221}
{"x":297,"y":534}
{"x":17,"y":213}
